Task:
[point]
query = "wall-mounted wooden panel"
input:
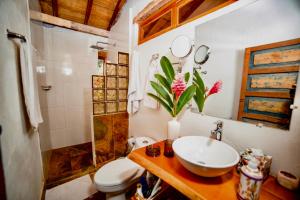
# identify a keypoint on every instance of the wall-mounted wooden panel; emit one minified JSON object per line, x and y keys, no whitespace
{"x":268,"y":105}
{"x":272,"y":81}
{"x":269,"y":83}
{"x":277,"y":57}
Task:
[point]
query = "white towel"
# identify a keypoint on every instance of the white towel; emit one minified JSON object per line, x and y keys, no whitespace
{"x":135,"y":95}
{"x":29,"y":83}
{"x":152,"y":70}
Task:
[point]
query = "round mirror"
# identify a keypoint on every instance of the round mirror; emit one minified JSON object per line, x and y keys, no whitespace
{"x":201,"y":54}
{"x":181,"y":47}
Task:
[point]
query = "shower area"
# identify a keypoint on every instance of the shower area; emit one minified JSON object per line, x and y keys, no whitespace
{"x":65,"y":62}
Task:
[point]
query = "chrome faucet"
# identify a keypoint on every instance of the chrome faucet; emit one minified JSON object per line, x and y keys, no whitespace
{"x":217,"y":133}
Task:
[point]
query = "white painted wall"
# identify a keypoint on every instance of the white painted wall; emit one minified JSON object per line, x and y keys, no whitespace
{"x":20,"y":147}
{"x":119,"y":35}
{"x":267,"y":15}
{"x":69,"y":63}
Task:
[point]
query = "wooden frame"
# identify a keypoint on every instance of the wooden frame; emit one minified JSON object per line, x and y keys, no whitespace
{"x":143,"y":39}
{"x":184,"y":2}
{"x":279,"y":68}
{"x":173,"y":7}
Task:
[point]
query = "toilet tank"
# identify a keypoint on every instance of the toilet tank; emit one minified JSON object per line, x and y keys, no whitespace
{"x":142,"y":141}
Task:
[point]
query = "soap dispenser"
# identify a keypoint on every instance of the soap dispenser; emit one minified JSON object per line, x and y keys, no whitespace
{"x":250,"y":181}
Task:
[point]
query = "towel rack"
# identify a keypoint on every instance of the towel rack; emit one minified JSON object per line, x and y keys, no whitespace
{"x":12,"y":35}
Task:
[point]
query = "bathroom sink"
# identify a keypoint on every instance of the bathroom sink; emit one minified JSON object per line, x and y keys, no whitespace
{"x":204,"y":156}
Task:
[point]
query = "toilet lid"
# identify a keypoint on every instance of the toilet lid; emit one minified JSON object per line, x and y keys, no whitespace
{"x":117,"y":172}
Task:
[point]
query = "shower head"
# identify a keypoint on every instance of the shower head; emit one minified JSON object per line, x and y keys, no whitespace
{"x":96,"y":47}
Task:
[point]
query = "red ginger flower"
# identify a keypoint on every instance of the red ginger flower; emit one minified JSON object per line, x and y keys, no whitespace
{"x":178,"y":85}
{"x":216,"y":88}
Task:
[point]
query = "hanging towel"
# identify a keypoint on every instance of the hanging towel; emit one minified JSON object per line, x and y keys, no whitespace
{"x":152,"y":70}
{"x":135,"y":95}
{"x":29,"y":83}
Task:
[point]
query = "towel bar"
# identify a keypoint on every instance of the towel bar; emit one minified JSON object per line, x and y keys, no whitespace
{"x":15,"y":35}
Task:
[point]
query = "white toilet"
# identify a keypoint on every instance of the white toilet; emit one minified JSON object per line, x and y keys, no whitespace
{"x":118,"y":175}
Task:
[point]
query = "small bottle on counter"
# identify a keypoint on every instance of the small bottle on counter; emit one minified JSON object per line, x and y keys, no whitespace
{"x":250,"y":181}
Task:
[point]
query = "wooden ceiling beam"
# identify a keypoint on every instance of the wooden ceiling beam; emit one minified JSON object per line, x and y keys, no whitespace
{"x":117,"y":9}
{"x":38,"y":16}
{"x":89,"y":6}
{"x":54,"y":8}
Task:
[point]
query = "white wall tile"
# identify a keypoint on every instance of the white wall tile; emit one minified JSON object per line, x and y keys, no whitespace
{"x":69,"y":63}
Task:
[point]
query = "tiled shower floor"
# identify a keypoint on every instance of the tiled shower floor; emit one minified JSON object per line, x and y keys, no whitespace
{"x":68,"y":163}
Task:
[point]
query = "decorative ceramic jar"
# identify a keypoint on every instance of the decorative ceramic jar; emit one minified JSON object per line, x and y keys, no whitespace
{"x":250,"y":181}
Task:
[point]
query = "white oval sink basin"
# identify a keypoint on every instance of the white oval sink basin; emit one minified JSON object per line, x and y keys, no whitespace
{"x":205,"y":156}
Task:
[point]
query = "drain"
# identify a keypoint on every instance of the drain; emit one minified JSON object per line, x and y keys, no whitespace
{"x":201,"y":162}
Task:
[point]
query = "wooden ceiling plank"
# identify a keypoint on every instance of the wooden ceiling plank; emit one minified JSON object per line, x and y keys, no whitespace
{"x":54,"y":8}
{"x":38,"y":16}
{"x":115,"y":13}
{"x":88,"y":11}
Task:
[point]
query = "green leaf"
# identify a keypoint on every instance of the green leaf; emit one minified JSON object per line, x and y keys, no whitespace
{"x":162,"y":92}
{"x":167,"y":69}
{"x":185,"y":98}
{"x":163,"y":103}
{"x":163,"y":81}
{"x":199,"y":99}
{"x":187,"y":77}
{"x":199,"y":81}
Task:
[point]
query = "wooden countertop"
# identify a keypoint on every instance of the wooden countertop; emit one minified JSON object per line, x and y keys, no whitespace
{"x":196,"y":187}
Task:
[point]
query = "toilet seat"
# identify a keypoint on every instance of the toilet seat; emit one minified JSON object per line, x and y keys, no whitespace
{"x":117,"y":175}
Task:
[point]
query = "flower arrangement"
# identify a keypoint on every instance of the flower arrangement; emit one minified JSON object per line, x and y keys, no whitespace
{"x":172,"y":91}
{"x":202,"y":92}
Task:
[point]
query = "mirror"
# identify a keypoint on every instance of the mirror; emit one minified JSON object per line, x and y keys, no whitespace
{"x":257,"y":65}
{"x":181,"y":46}
{"x":201,"y":54}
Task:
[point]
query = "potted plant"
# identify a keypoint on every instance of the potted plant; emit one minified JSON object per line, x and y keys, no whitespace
{"x":172,"y":93}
